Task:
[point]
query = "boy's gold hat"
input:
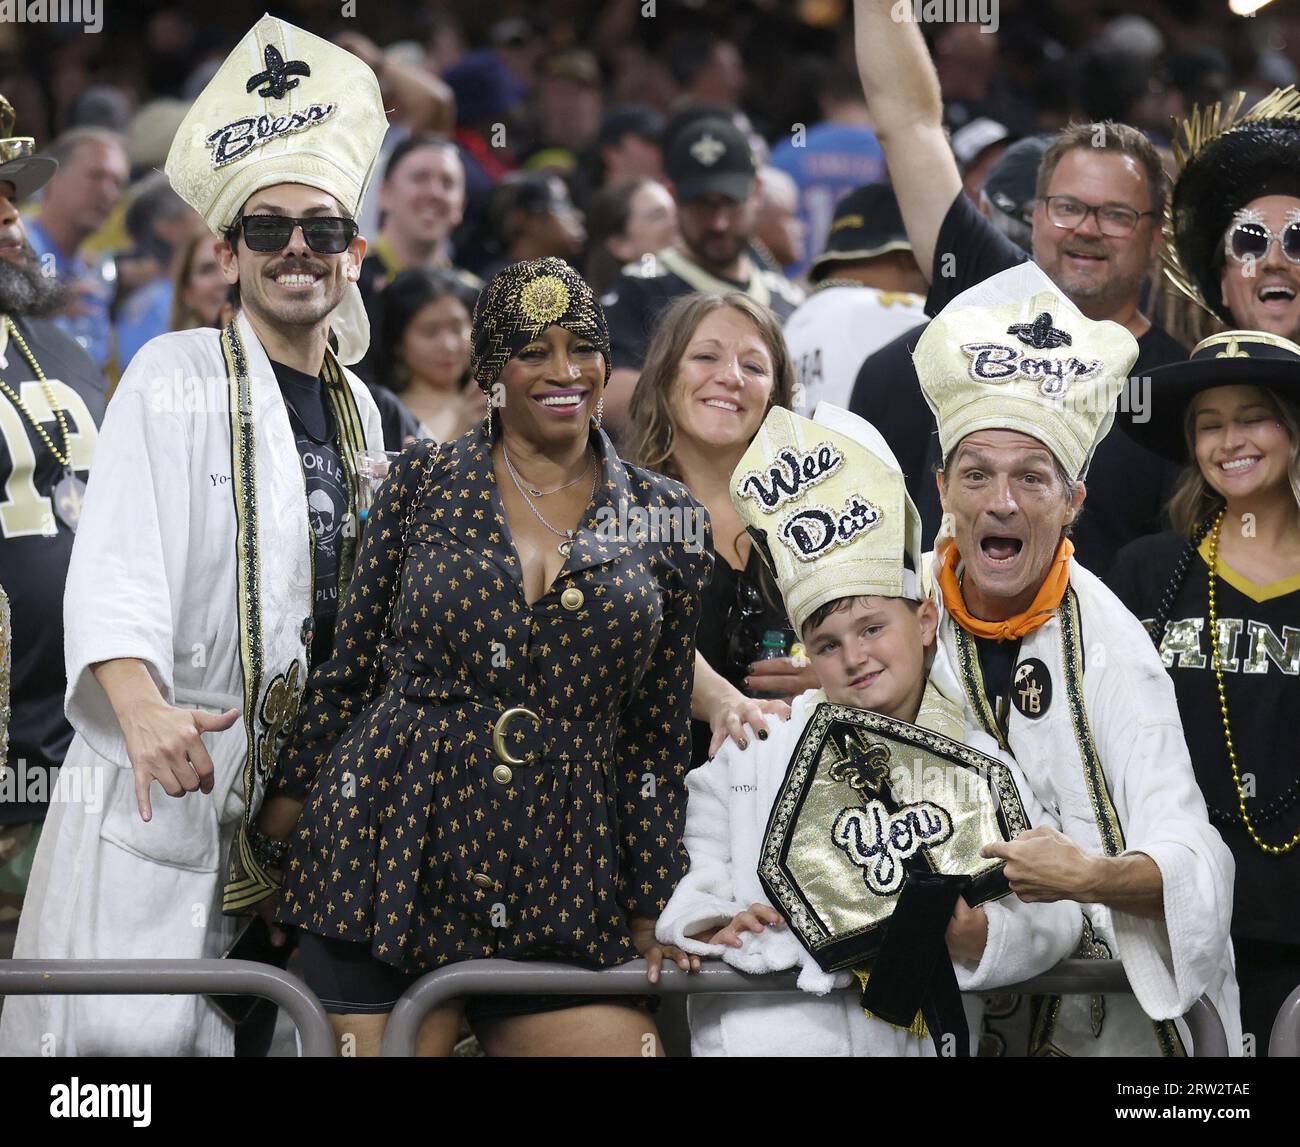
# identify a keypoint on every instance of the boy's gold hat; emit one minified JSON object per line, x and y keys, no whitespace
{"x":1013,"y":353}
{"x":825,"y":501}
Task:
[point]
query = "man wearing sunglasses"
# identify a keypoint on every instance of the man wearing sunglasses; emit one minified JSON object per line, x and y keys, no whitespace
{"x":1096,"y":229}
{"x":1236,"y":215}
{"x":217,"y":539}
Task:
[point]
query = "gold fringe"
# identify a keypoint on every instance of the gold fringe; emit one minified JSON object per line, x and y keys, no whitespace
{"x":917,"y":1027}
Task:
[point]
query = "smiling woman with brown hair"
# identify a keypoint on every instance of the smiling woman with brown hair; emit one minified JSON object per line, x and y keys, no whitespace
{"x":492,"y":764}
{"x":715,"y":366}
{"x":1220,"y":594}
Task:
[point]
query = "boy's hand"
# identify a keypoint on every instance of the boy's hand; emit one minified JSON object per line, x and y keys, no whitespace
{"x":968,"y":932}
{"x":751,"y":920}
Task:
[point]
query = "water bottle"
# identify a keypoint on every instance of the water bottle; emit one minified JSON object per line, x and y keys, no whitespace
{"x":772,"y":647}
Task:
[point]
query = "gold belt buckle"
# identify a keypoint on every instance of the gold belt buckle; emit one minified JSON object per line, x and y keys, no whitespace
{"x":499,"y":731}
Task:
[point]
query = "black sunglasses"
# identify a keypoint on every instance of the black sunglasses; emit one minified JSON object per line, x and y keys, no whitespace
{"x":325,"y":234}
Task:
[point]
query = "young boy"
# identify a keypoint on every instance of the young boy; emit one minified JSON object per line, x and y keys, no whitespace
{"x":845,"y":561}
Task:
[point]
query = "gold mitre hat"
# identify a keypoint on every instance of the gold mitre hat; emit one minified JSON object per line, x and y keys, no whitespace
{"x":284,"y":107}
{"x":825,"y":500}
{"x":1013,"y":353}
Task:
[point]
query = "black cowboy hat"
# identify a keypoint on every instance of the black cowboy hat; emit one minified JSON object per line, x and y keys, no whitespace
{"x":867,"y":223}
{"x":1226,"y":162}
{"x":1231,"y":358}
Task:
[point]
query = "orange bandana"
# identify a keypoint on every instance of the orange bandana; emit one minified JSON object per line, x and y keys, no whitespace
{"x":1041,"y":608}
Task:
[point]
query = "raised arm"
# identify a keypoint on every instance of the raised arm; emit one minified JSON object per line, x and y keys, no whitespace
{"x":902,"y":90}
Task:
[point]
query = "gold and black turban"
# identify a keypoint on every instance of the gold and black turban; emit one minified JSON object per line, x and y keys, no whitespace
{"x":519,"y":304}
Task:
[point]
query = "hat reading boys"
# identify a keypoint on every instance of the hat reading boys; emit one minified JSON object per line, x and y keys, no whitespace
{"x":1013,"y":353}
{"x":284,"y":107}
{"x":826,"y":501}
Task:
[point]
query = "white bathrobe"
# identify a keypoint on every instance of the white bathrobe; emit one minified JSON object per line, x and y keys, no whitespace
{"x":1153,"y":806}
{"x":154,"y":576}
{"x":730,"y":800}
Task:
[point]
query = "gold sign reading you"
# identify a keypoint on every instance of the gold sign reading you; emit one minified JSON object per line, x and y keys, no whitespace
{"x":862,"y":796}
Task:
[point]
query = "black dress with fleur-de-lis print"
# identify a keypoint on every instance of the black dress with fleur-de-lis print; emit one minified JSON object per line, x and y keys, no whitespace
{"x":417,"y":835}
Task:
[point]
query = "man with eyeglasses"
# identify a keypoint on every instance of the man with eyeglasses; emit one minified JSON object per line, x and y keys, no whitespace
{"x":1236,"y":214}
{"x":217,"y":538}
{"x":1096,"y":227}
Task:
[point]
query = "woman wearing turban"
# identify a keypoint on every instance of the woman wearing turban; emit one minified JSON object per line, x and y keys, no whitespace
{"x":492,"y":764}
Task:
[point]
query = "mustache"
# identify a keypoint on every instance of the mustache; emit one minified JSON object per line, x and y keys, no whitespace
{"x":295,"y":266}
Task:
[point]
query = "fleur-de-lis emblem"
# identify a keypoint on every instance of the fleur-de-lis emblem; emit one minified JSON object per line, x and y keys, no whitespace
{"x":1040,"y":334}
{"x":708,"y":150}
{"x":276,"y":77}
{"x":861,"y":766}
{"x":1232,"y":350}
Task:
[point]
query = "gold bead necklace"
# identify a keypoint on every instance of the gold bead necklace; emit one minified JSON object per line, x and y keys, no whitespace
{"x":65,"y":458}
{"x":1271,"y":849}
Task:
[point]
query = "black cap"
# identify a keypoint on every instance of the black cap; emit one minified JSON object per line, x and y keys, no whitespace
{"x":973,"y":139}
{"x":866,"y":223}
{"x":1012,"y":184}
{"x":1230,"y":358}
{"x":630,"y":119}
{"x":710,"y":155}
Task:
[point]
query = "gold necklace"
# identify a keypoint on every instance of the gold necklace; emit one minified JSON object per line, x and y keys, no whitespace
{"x":1271,"y":849}
{"x":64,"y":459}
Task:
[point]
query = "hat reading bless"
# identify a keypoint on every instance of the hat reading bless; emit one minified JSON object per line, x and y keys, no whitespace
{"x":284,"y":107}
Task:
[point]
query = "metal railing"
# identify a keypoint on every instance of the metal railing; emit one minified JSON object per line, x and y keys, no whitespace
{"x":509,"y":977}
{"x":176,"y":978}
{"x":1285,"y":1037}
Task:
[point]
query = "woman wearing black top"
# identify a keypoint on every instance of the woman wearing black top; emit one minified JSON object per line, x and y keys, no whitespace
{"x":1221,"y":594}
{"x":492,"y":764}
{"x":714,"y":368}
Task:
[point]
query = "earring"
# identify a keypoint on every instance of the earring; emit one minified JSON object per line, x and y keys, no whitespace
{"x":489,"y":419}
{"x":600,"y":411}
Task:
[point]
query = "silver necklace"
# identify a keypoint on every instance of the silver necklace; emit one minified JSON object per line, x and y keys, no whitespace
{"x":534,"y":491}
{"x":565,"y":546}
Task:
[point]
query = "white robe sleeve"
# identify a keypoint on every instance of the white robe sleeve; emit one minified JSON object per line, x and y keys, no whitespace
{"x":1024,"y":940}
{"x":1171,"y":962}
{"x":128,"y":563}
{"x":705,"y":898}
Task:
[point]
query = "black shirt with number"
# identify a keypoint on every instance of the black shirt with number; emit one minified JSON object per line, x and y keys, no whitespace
{"x":327,"y":493}
{"x":1259,"y":628}
{"x":36,"y":545}
{"x":1127,"y":484}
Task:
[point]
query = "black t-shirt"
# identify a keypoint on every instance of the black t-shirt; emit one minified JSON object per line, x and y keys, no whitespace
{"x":636,"y":300}
{"x":327,"y":492}
{"x":720,"y":616}
{"x":399,"y":423}
{"x":997,"y":664}
{"x":1127,"y":484}
{"x":1260,"y":644}
{"x":35,"y":544}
